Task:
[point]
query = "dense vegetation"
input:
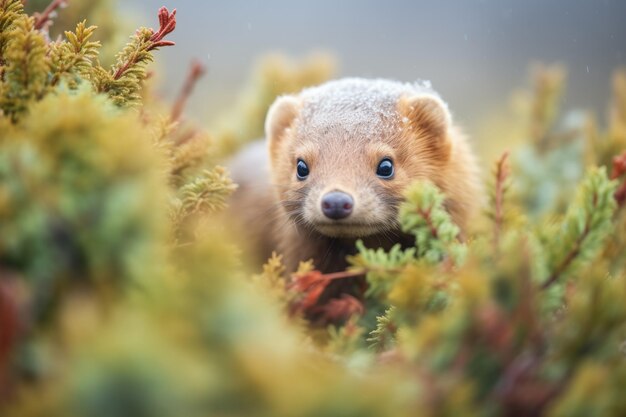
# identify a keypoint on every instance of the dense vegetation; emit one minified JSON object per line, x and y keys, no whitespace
{"x":122,"y":291}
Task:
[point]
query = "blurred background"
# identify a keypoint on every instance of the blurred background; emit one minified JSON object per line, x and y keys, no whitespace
{"x":475,"y":52}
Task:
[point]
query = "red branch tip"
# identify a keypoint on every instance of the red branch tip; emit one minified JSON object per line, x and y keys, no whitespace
{"x":619,"y":169}
{"x":167,"y":24}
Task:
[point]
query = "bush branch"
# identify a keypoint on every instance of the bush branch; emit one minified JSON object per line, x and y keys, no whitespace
{"x":619,"y":169}
{"x":574,"y":252}
{"x":167,"y":24}
{"x":196,"y":71}
{"x":502,"y":173}
{"x":45,"y":17}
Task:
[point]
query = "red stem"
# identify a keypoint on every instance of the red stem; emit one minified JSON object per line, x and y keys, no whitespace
{"x":429,"y":222}
{"x":619,"y":169}
{"x":121,"y":70}
{"x":344,"y":274}
{"x":502,"y":172}
{"x":196,"y":71}
{"x":46,"y":15}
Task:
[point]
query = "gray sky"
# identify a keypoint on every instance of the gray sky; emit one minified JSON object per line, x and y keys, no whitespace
{"x":475,"y":52}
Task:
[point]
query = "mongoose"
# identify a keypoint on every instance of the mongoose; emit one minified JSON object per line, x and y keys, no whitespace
{"x":335,"y":162}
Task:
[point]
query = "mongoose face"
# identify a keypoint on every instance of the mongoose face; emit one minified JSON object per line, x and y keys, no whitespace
{"x":342,"y":153}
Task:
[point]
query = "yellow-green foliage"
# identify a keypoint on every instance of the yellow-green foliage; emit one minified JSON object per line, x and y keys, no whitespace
{"x":10,"y":11}
{"x":423,"y":215}
{"x":113,"y":27}
{"x":70,"y":188}
{"x":548,"y":86}
{"x":73,"y":58}
{"x":205,"y":194}
{"x":584,"y":229}
{"x":30,"y":67}
{"x":25,"y":68}
{"x":122,"y":291}
{"x":123,"y":83}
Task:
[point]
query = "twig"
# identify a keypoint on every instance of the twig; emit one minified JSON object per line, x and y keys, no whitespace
{"x":619,"y":169}
{"x":343,"y":274}
{"x":196,"y":71}
{"x":45,"y":17}
{"x":167,"y":24}
{"x":502,"y":172}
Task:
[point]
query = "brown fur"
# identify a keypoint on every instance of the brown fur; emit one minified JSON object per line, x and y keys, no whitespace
{"x":342,"y":130}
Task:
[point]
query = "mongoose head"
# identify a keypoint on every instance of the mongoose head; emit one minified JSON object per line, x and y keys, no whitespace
{"x":342,"y":153}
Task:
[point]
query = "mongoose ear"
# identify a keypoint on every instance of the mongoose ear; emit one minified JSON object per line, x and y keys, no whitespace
{"x":427,"y":115}
{"x":279,"y":118}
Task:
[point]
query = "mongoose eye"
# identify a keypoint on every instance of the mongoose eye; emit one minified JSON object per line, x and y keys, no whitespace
{"x":302,"y":170}
{"x":385,"y":169}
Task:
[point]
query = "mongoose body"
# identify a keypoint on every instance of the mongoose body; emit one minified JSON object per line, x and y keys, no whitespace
{"x":335,"y":162}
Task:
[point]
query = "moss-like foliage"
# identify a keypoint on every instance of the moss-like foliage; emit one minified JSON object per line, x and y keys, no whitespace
{"x":25,"y":68}
{"x":71,"y":60}
{"x":10,"y":11}
{"x":123,"y":82}
{"x":584,"y":229}
{"x":423,"y":215}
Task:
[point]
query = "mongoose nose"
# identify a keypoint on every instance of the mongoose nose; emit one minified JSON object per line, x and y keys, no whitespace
{"x":337,"y":205}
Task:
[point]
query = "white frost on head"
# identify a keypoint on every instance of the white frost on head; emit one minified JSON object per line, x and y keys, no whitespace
{"x":356,"y":106}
